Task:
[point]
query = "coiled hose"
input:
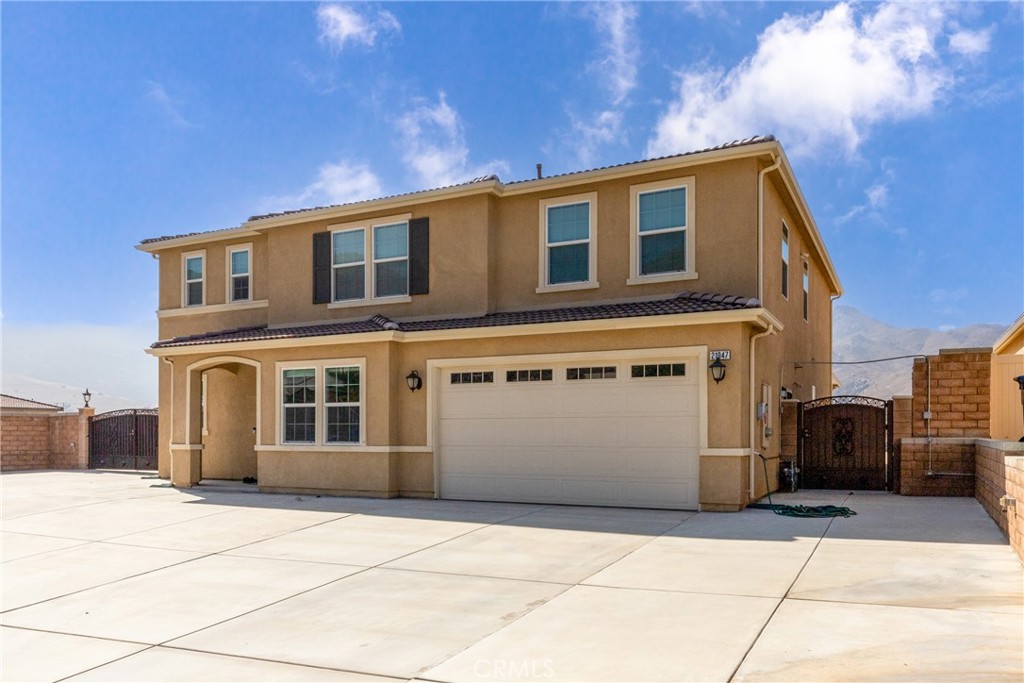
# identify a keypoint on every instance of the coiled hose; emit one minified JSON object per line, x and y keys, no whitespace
{"x":799,"y":510}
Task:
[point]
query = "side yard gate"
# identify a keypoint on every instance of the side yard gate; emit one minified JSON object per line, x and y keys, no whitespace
{"x":846,"y":443}
{"x":124,"y":439}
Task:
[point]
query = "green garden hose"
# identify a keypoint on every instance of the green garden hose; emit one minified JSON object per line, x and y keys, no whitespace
{"x":799,"y":510}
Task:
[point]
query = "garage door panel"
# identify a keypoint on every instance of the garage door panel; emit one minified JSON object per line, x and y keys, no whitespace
{"x":626,"y":441}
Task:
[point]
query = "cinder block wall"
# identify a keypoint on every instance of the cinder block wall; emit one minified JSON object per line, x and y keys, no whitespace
{"x":959,"y":393}
{"x":953,"y":459}
{"x":1000,"y":472}
{"x":957,"y":381}
{"x":37,"y":442}
{"x":24,"y":442}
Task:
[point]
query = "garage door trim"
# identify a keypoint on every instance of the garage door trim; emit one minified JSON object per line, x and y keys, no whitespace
{"x":696,"y":355}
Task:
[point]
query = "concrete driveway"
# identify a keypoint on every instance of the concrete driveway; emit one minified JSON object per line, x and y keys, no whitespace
{"x":116,"y":577}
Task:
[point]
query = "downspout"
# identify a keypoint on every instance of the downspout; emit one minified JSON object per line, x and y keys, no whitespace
{"x":760,"y":224}
{"x":170,"y":421}
{"x":753,"y":403}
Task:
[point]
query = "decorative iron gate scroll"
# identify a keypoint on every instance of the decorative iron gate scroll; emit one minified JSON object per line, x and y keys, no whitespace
{"x":846,"y":443}
{"x":124,"y":439}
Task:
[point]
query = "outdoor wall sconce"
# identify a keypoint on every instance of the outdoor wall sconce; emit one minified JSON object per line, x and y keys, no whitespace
{"x":414,"y":381}
{"x":86,"y":395}
{"x":717,"y":370}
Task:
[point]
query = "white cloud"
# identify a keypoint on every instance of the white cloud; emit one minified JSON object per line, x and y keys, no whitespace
{"x":817,"y":81}
{"x":971,"y":43}
{"x":335,"y":183}
{"x":946,"y":296}
{"x":341,"y":25}
{"x":588,"y":136}
{"x":434,"y":144}
{"x":168,"y":106}
{"x":108,"y":359}
{"x":617,"y":67}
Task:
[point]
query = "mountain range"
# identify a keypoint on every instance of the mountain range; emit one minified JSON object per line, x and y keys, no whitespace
{"x":859,"y":337}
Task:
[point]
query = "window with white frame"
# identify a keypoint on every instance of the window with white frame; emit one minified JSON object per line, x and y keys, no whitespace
{"x":298,"y":402}
{"x":240,"y":273}
{"x":807,"y":288}
{"x":391,"y":260}
{"x":193,"y":278}
{"x":662,"y":230}
{"x":370,"y":261}
{"x":348,"y":264}
{"x":568,"y":249}
{"x":342,"y":404}
{"x":785,"y":260}
{"x":322,"y":403}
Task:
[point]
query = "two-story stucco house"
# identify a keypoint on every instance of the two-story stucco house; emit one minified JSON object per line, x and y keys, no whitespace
{"x":548,"y":340}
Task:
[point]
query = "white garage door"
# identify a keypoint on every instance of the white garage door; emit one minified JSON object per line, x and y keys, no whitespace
{"x":623,"y":433}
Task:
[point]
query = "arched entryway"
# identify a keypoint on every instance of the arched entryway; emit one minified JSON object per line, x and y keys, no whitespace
{"x":224,"y":415}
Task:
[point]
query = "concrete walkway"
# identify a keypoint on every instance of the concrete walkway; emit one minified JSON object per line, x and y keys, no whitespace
{"x":117,"y":577}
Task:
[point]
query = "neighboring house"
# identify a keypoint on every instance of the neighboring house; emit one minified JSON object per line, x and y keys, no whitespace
{"x":12,"y":405}
{"x":557,"y":333}
{"x":1007,"y":413}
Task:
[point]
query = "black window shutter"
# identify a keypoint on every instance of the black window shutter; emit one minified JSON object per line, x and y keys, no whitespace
{"x":419,"y":256}
{"x":322,"y":268}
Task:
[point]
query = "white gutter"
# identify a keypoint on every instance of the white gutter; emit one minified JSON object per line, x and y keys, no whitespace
{"x":760,"y":224}
{"x":753,"y":404}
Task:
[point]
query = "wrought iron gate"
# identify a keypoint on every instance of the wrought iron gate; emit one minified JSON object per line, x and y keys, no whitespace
{"x":124,"y":439}
{"x":846,"y":443}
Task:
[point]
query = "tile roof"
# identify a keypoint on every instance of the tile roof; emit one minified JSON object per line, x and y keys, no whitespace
{"x":684,"y":302}
{"x":757,"y":139}
{"x":7,"y":401}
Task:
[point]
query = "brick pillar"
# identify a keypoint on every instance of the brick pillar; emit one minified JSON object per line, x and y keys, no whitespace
{"x":83,"y":436}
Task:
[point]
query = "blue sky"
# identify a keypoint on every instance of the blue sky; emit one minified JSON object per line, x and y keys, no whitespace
{"x":122,"y":121}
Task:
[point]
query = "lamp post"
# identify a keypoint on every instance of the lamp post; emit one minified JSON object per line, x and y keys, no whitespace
{"x":87,"y":395}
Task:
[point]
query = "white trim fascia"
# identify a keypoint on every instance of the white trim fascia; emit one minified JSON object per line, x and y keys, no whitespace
{"x":789,"y":178}
{"x":1004,"y":339}
{"x":342,"y":449}
{"x":726,"y":452}
{"x":385,"y":203}
{"x":213,"y":308}
{"x":757,"y":316}
{"x":186,"y":446}
{"x":200,"y":238}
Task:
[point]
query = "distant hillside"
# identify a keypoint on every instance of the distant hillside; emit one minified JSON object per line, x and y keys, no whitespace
{"x":856,"y":336}
{"x":66,"y":395}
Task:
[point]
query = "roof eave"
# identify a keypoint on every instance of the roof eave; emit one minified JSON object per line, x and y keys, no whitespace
{"x":200,"y":238}
{"x":756,"y":316}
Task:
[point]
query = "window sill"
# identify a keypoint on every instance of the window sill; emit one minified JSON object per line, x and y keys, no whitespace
{"x":212,"y":308}
{"x":664,"y":277}
{"x":308,"y":447}
{"x":567,"y":287}
{"x":354,"y":303}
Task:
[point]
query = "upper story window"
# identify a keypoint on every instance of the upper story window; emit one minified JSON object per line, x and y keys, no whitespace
{"x":662,"y":231}
{"x":785,"y":260}
{"x":387,"y":258}
{"x":193,"y":266}
{"x":568,"y":243}
{"x":807,"y":290}
{"x":240,"y":273}
{"x":391,"y":260}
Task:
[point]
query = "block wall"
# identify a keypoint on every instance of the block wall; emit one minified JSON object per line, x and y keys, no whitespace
{"x":945,"y":467}
{"x":24,"y":442}
{"x":958,"y":380}
{"x":38,"y":442}
{"x":1000,"y":472}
